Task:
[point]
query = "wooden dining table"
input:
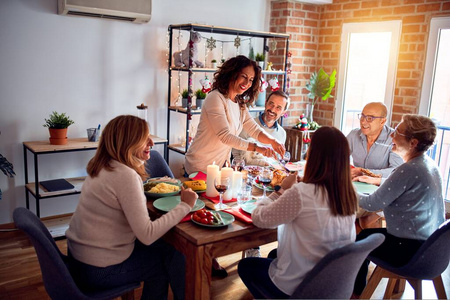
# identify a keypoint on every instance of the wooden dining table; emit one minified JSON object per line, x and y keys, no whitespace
{"x":201,"y":244}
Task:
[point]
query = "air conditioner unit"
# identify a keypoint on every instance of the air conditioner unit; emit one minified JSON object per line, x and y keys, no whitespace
{"x":136,"y":11}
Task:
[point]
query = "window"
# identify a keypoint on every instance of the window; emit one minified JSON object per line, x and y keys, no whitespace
{"x":366,"y":69}
{"x":435,"y":98}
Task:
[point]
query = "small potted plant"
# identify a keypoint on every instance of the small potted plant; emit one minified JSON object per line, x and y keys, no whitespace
{"x":184,"y":97}
{"x":200,"y":98}
{"x":57,"y":126}
{"x":214,"y":64}
{"x":260,"y":57}
{"x":319,"y":86}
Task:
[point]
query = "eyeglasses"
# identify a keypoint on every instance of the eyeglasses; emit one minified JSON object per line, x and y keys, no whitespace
{"x":369,"y":119}
{"x":394,"y":134}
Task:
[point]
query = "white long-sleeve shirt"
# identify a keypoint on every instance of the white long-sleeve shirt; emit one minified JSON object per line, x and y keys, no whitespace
{"x":220,"y":124}
{"x":307,"y":231}
{"x":111,"y":214}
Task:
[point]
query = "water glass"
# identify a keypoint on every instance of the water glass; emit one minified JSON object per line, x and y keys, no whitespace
{"x":244,"y":195}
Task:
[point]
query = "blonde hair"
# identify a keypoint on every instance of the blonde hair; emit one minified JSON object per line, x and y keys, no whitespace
{"x":120,"y":140}
{"x":420,"y":128}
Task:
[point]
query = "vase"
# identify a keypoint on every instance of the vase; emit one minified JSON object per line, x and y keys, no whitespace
{"x":261,"y":64}
{"x":309,"y":112}
{"x":261,"y":100}
{"x":199,"y":103}
{"x":58,"y":136}
{"x":184,"y":102}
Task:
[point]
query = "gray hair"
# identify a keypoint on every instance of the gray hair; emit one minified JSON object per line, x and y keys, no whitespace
{"x":420,"y":128}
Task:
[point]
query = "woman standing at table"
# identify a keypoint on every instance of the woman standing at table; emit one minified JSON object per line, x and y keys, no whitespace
{"x":111,"y":239}
{"x":313,"y":218}
{"x":225,"y":114}
{"x":411,"y":197}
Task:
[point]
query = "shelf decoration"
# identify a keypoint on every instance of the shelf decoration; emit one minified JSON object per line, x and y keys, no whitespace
{"x":274,"y":85}
{"x":206,"y":84}
{"x":273,"y":46}
{"x":237,"y":42}
{"x":211,"y":43}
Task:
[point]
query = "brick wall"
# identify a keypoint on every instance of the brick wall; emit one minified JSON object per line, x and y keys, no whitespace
{"x":315,"y":32}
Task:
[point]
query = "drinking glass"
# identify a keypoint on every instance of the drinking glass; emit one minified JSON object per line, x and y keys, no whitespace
{"x":286,"y":158}
{"x":222,"y":184}
{"x":304,"y":151}
{"x":238,"y":164}
{"x":265,"y":177}
{"x":244,"y":195}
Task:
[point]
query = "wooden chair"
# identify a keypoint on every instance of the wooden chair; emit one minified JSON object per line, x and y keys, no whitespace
{"x":429,"y":262}
{"x":58,"y":281}
{"x":294,"y":142}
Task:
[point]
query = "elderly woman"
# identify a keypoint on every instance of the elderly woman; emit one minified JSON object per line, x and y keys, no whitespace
{"x":411,"y":197}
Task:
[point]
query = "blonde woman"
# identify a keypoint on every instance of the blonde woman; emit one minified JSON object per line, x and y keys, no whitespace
{"x":111,"y":239}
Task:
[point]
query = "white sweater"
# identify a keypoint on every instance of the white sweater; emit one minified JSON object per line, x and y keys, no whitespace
{"x":111,"y":214}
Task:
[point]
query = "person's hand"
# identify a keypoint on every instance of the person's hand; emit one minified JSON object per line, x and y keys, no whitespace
{"x":279,"y":148}
{"x":368,"y":179}
{"x":289,"y":181}
{"x":188,"y":196}
{"x":266,"y":151}
{"x":355,"y":172}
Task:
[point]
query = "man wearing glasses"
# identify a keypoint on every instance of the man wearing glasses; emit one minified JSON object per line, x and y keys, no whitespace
{"x":371,"y":150}
{"x":371,"y":144}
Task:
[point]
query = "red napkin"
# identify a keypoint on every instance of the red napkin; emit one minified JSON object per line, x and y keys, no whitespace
{"x":200,"y":176}
{"x":186,"y":218}
{"x":216,"y":199}
{"x":240,"y":215}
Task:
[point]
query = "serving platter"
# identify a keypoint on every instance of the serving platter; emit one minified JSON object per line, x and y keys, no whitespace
{"x":168,"y":203}
{"x":226,"y":218}
{"x":155,"y":181}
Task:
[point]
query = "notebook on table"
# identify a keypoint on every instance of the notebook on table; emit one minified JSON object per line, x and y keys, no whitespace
{"x":56,"y":185}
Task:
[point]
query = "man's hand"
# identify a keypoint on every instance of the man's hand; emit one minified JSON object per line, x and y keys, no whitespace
{"x":368,"y":179}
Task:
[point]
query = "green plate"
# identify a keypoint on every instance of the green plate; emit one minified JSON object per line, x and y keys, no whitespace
{"x":168,"y":203}
{"x":226,"y":217}
{"x":364,"y":188}
{"x":249,"y":206}
{"x":260,"y":186}
{"x":158,"y":195}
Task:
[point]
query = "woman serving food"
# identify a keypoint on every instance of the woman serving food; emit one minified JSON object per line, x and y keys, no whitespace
{"x":224,"y":115}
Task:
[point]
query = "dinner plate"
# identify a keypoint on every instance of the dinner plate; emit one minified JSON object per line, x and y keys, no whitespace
{"x":226,"y":218}
{"x":158,"y":195}
{"x":249,"y":206}
{"x":260,"y":186}
{"x":364,"y":188}
{"x":168,"y":203}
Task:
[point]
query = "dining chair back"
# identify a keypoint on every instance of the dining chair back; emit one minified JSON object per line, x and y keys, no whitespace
{"x":428,"y":263}
{"x":58,"y":281}
{"x":333,"y":277}
{"x":156,"y":166}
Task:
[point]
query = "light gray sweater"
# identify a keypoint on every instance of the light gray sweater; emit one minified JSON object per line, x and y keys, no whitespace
{"x":111,"y":214}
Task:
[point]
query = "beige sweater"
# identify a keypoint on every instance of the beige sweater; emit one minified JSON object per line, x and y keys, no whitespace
{"x":220,"y":124}
{"x":111,"y":214}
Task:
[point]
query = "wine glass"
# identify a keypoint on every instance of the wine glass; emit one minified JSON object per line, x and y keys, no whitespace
{"x":222,"y":184}
{"x":304,"y":151}
{"x":238,"y":164}
{"x":265,"y":177}
{"x":244,"y":195}
{"x":286,"y":158}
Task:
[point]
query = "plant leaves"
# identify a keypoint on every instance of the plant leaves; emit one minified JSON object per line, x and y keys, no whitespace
{"x":320,"y":85}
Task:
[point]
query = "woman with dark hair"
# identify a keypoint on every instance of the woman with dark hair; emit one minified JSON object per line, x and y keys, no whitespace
{"x":313,"y":217}
{"x":111,"y":239}
{"x":225,"y":114}
{"x":411,"y":197}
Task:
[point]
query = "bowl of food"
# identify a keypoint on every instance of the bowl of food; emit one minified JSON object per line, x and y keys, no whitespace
{"x":157,"y":189}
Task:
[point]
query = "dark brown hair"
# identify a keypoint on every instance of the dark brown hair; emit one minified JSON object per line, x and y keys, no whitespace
{"x":328,"y":166}
{"x":120,"y":140}
{"x":229,"y":72}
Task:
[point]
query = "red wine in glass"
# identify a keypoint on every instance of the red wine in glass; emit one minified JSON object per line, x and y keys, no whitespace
{"x":221,"y":188}
{"x":221,"y":185}
{"x":265,"y":181}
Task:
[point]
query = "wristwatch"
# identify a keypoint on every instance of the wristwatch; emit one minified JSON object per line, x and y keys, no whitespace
{"x":278,"y":189}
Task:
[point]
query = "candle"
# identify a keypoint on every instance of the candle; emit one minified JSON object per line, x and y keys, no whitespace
{"x":228,"y":172}
{"x":237,"y":183}
{"x":212,"y":171}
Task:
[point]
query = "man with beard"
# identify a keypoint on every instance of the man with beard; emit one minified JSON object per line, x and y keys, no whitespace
{"x":276,"y":105}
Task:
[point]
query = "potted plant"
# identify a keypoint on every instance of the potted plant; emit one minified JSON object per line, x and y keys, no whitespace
{"x":7,"y":169}
{"x":320,"y":86}
{"x":214,"y":64}
{"x":57,"y":126}
{"x":260,"y":57}
{"x":184,"y":97}
{"x":200,"y":98}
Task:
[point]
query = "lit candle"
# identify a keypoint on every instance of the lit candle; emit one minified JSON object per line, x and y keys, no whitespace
{"x":228,"y":172}
{"x":212,"y":171}
{"x":237,"y":183}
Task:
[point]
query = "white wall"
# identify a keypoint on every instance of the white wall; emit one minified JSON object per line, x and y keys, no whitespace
{"x":93,"y":70}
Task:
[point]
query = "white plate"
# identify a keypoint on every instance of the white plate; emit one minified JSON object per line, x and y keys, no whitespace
{"x":169,"y":203}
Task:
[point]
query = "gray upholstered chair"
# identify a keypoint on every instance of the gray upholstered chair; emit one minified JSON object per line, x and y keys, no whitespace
{"x":429,"y":262}
{"x":333,"y":277}
{"x":156,"y":166}
{"x":58,"y":281}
